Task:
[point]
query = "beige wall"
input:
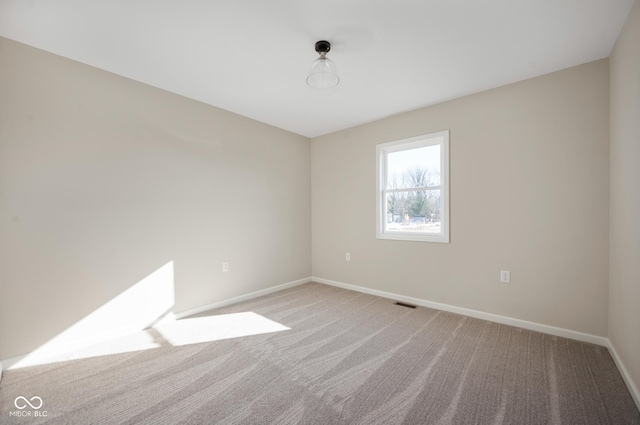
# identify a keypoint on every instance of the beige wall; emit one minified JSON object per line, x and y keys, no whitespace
{"x":104,"y":180}
{"x":529,"y":194}
{"x":624,"y":255}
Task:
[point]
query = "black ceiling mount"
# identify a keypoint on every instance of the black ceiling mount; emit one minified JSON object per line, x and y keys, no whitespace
{"x":323,"y":46}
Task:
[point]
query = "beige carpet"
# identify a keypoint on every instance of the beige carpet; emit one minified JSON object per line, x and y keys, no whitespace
{"x":324,"y":355}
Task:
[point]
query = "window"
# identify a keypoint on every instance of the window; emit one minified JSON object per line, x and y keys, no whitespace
{"x":413,"y":188}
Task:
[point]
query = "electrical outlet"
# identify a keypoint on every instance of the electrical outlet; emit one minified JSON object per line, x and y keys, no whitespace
{"x":505,"y":276}
{"x":225,"y":266}
{"x":348,"y":257}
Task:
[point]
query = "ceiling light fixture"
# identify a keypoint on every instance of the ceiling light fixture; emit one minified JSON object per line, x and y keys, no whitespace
{"x":323,"y":74}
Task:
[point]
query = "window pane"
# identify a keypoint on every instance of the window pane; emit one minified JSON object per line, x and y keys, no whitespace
{"x":416,"y":211}
{"x":414,"y":167}
{"x":412,"y":184}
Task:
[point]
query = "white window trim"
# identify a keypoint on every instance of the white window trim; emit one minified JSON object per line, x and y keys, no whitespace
{"x":381,"y":170}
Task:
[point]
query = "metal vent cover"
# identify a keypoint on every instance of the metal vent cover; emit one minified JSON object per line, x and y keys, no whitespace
{"x":401,"y":304}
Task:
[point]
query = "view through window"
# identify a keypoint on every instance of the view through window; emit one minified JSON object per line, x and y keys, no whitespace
{"x":413,"y":188}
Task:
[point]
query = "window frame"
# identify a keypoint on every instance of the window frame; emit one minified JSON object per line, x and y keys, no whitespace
{"x":382,"y":150}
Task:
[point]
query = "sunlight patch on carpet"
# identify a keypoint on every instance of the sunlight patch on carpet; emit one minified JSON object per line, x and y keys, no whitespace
{"x":214,"y":328}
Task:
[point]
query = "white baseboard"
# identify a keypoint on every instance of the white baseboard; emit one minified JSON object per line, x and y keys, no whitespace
{"x":240,"y":298}
{"x":633,"y":389}
{"x":547,"y":329}
{"x":11,"y":361}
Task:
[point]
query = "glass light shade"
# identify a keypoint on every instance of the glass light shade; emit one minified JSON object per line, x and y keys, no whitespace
{"x":323,"y":74}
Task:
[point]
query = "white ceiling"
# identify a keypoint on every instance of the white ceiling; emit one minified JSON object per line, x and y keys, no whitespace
{"x":251,"y":56}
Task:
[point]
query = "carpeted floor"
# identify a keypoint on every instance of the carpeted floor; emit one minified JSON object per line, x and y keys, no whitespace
{"x":324,"y":355}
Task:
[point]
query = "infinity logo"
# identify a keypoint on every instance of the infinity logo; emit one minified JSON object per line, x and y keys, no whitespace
{"x":24,"y":406}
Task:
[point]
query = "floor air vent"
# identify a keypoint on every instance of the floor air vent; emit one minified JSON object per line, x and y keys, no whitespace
{"x":405,"y":304}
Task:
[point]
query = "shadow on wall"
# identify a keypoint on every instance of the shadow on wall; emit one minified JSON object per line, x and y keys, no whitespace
{"x":134,"y":309}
